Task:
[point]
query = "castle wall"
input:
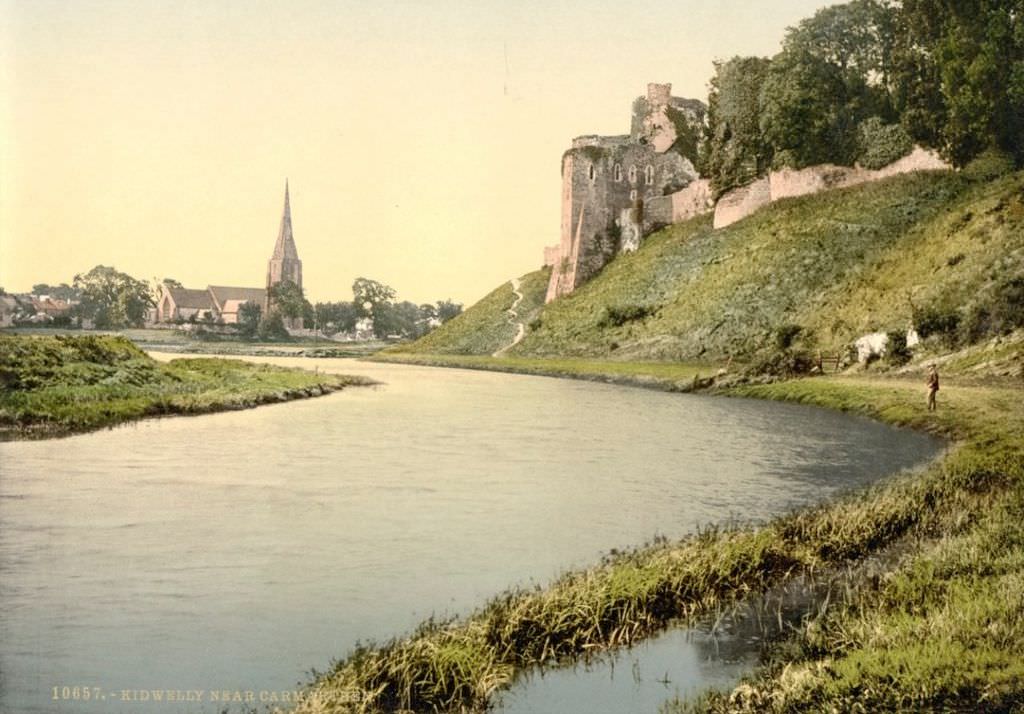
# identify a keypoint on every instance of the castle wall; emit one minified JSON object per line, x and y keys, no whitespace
{"x":741,"y":202}
{"x":790,"y":183}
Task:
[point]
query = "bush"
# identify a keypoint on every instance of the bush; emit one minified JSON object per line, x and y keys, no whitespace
{"x":789,"y":363}
{"x":1003,"y":312}
{"x":989,"y":166}
{"x":618,"y":315}
{"x":880,"y":144}
{"x":272,"y":328}
{"x":937,"y":321}
{"x":786,"y":335}
{"x":896,"y":352}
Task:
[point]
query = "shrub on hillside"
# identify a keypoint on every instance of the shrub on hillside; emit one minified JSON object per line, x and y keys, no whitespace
{"x":618,"y":315}
{"x":787,"y":363}
{"x":896,"y":351}
{"x":786,"y":335}
{"x":989,"y":166}
{"x":1001,"y":313}
{"x":879,"y":144}
{"x":937,"y":321}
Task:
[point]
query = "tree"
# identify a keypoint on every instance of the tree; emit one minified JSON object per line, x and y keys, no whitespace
{"x":402,"y":319}
{"x":111,"y":299}
{"x":368,"y":295}
{"x":287,"y":298}
{"x":60,"y":292}
{"x":446,"y":310}
{"x":833,"y":73}
{"x":249,"y":314}
{"x":333,"y":317}
{"x":961,"y":75}
{"x":272,"y":328}
{"x":736,"y":149}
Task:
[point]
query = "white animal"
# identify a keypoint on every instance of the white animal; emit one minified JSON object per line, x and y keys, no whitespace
{"x":871,"y":345}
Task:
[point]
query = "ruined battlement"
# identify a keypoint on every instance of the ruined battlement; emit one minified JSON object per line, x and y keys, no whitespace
{"x":607,"y":181}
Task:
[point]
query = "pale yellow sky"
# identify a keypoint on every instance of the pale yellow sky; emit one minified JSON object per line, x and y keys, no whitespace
{"x":156,"y":136}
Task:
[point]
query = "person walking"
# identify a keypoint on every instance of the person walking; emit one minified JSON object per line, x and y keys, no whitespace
{"x":933,"y":386}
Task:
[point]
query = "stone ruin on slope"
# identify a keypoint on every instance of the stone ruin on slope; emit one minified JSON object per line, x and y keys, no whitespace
{"x":617,"y":189}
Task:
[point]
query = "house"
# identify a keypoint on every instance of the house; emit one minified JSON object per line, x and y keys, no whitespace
{"x":228,"y":300}
{"x":178,"y":304}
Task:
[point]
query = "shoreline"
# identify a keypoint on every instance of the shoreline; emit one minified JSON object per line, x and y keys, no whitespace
{"x":56,"y":387}
{"x":628,"y":597}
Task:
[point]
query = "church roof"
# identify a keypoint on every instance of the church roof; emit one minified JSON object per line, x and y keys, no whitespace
{"x":285,"y":246}
{"x":223,"y":293}
{"x":194,"y":299}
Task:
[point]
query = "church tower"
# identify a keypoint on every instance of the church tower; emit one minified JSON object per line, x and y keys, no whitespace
{"x":284,"y":264}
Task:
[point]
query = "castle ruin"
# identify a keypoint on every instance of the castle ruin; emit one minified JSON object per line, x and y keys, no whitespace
{"x":618,"y":189}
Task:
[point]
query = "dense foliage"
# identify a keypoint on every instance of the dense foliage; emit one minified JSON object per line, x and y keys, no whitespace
{"x":112,"y":299}
{"x":736,"y":149}
{"x":861,"y":82}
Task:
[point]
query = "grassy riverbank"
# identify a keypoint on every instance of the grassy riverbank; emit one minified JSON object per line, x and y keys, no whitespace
{"x":973,"y":494}
{"x":668,"y":376}
{"x":56,"y":385}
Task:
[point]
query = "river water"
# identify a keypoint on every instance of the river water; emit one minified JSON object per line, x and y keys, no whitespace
{"x":236,"y":551}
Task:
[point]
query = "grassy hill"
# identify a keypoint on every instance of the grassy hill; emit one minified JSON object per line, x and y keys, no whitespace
{"x":486,"y":327}
{"x":817,"y":271}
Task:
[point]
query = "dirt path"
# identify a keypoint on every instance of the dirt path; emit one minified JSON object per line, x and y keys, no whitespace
{"x":513,"y":316}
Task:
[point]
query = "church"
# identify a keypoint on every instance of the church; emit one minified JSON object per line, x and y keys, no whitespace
{"x":220,"y":303}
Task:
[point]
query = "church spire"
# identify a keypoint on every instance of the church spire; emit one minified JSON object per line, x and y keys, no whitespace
{"x":285,"y":246}
{"x":284,"y":263}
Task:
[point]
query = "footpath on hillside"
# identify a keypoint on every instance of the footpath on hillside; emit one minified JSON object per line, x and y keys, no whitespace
{"x":513,"y":318}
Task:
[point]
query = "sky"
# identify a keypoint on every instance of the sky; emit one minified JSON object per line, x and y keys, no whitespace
{"x":421,"y":138}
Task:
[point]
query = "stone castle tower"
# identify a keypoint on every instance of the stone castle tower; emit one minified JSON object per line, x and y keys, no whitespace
{"x":284,"y":263}
{"x":618,"y":189}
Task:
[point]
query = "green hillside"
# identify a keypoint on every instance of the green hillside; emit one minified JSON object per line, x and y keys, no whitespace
{"x":486,"y":327}
{"x":818,"y":271}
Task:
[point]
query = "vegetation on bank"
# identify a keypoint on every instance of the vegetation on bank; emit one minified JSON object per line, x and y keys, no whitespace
{"x":488,"y":327}
{"x":451,"y":664}
{"x":50,"y":386}
{"x":945,"y":629}
{"x":668,"y":376}
{"x":935,"y":249}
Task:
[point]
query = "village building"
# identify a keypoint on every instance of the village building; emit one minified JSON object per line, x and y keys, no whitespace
{"x":222,"y":303}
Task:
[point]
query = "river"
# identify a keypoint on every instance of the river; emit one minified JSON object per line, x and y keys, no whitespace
{"x":236,"y":551}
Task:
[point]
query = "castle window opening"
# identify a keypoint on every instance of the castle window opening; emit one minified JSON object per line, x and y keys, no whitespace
{"x":618,"y":172}
{"x":632,"y":174}
{"x":593,"y":172}
{"x":649,"y":174}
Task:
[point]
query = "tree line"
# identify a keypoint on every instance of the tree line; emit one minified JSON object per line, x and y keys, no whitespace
{"x":111,"y":299}
{"x":373,"y":304}
{"x":864,"y":81}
